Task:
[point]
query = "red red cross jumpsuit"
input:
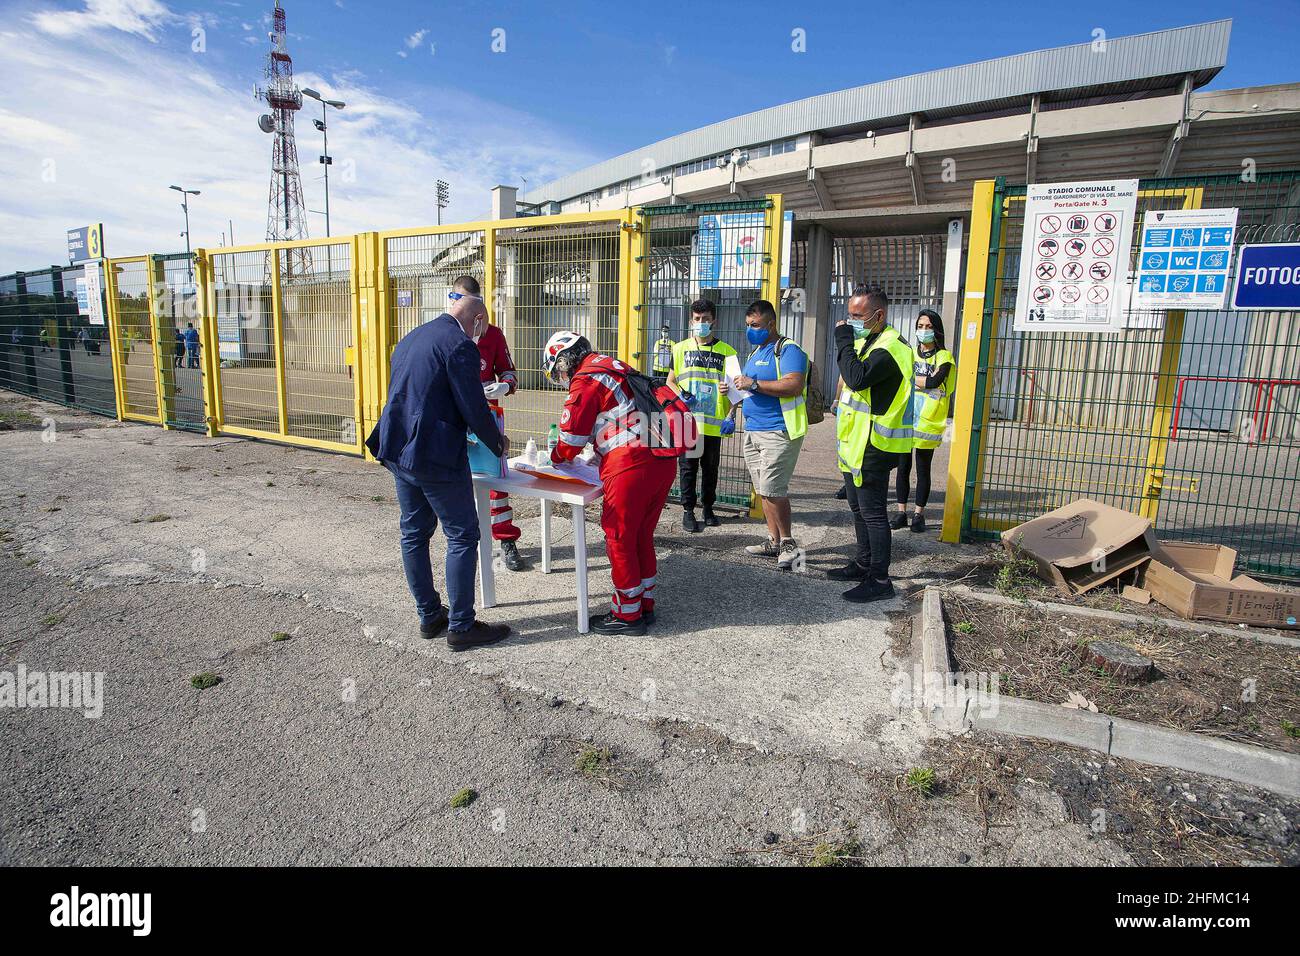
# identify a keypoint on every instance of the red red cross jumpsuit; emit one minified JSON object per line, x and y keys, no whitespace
{"x":495,"y":365}
{"x":636,"y":481}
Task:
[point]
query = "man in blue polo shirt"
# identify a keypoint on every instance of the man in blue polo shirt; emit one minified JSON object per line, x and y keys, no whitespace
{"x":776,"y":419}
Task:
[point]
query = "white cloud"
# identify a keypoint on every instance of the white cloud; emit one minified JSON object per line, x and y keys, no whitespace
{"x":416,"y":38}
{"x":95,"y":141}
{"x":141,"y":17}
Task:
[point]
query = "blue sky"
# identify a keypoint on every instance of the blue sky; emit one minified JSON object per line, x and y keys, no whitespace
{"x":107,"y":102}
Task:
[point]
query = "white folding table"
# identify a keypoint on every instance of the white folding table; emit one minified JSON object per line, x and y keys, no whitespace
{"x":550,"y":492}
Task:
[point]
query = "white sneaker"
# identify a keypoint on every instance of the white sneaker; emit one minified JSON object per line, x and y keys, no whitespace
{"x":791,"y":554}
{"x":767,"y":549}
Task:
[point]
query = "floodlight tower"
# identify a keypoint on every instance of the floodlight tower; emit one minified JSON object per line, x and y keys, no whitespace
{"x":286,"y":216}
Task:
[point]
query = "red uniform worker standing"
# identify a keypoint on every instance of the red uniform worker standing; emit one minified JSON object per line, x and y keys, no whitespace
{"x":497,"y":368}
{"x":636,"y":481}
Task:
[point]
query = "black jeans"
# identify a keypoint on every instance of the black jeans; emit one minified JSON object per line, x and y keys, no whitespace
{"x":924,"y":457}
{"x":712,"y":451}
{"x":868,"y":502}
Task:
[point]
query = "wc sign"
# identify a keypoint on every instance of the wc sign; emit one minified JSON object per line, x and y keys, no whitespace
{"x":1268,"y":276}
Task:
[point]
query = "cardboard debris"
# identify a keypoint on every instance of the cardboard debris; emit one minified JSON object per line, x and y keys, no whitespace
{"x":1087,"y":543}
{"x":1083,"y":545}
{"x":1195,"y":581}
{"x":1136,"y":595}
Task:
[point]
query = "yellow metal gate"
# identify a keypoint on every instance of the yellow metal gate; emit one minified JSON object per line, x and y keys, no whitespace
{"x":281,"y":327}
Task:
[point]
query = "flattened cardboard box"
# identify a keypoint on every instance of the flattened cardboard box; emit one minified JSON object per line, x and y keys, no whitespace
{"x":1082,"y":545}
{"x":1195,"y":581}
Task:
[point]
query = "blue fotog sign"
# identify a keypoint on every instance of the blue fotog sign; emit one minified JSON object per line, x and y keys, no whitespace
{"x":1268,"y":277}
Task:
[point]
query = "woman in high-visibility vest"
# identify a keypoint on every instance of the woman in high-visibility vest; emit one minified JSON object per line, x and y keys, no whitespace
{"x":936,"y":374}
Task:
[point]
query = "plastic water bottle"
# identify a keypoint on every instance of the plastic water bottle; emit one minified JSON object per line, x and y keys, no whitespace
{"x":530,"y":452}
{"x":552,"y":439}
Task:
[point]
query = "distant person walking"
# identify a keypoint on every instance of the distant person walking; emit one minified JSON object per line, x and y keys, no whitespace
{"x":192,"y":345}
{"x":435,"y":398}
{"x":44,"y":338}
{"x":178,"y":350}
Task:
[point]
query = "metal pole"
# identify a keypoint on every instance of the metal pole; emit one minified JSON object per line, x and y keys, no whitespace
{"x":189,"y":260}
{"x":324,"y":128}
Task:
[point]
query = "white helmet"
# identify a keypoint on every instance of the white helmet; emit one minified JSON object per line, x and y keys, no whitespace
{"x":569,"y":344}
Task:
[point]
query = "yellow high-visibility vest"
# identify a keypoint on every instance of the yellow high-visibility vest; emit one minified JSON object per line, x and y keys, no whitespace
{"x":696,"y":365}
{"x":856,"y":426}
{"x":930,"y":407}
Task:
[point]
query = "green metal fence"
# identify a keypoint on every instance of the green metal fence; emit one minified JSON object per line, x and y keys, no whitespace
{"x":1192,"y":418}
{"x":49,"y":348}
{"x":679,"y":266}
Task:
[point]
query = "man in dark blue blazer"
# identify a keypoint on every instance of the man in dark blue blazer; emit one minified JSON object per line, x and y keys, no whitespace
{"x":434,"y":399}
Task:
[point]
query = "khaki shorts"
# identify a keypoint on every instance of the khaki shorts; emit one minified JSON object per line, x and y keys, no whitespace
{"x":770,"y":458}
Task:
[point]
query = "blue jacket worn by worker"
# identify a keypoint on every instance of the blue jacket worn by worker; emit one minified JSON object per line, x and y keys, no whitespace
{"x":434,"y":398}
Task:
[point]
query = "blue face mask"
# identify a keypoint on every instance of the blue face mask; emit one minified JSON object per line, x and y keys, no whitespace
{"x":859,"y":327}
{"x":755,"y":336}
{"x":703,"y":329}
{"x":925,"y":335}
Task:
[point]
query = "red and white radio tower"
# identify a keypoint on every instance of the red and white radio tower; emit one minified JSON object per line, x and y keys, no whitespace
{"x":285,"y":213}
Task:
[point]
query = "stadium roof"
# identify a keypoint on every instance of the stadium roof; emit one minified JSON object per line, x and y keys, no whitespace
{"x":1125,"y":67}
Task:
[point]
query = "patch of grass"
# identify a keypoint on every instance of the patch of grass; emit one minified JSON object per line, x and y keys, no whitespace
{"x":270,"y":484}
{"x":835,"y":854}
{"x":50,"y":620}
{"x":204,"y":681}
{"x":376,"y":497}
{"x":281,"y":636}
{"x":463,"y":798}
{"x":965,"y":627}
{"x":920,"y":780}
{"x":30,"y":563}
{"x":592,"y":761}
{"x":1290,"y":729}
{"x":1016,"y":576}
{"x":154,"y":519}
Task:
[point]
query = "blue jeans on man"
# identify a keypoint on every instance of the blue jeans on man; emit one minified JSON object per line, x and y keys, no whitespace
{"x":425,"y":504}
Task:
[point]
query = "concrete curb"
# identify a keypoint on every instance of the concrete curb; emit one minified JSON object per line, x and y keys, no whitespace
{"x":966,"y":591}
{"x":947,"y":704}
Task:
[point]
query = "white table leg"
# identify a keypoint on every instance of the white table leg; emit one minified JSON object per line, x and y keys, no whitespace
{"x":487,"y":589}
{"x":546,"y":535}
{"x":580,"y":564}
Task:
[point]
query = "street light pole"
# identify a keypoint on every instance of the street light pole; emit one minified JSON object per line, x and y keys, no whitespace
{"x":444,"y":197}
{"x":185,"y":205}
{"x":326,"y":160}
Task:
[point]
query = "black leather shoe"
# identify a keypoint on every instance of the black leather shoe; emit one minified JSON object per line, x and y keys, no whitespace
{"x":648,"y":617}
{"x":433,"y":628}
{"x":711,"y":520}
{"x":510,"y":555}
{"x":850,"y":572}
{"x":689,"y":523}
{"x":478,"y":635}
{"x":609,"y":624}
{"x":897,"y":520}
{"x":870,"y":590}
{"x":842,"y":494}
{"x":918,"y":522}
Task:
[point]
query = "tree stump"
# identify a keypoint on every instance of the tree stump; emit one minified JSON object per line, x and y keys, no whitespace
{"x":1119,"y":661}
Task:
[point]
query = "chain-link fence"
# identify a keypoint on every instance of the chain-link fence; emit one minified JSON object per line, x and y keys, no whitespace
{"x":1191,"y":418}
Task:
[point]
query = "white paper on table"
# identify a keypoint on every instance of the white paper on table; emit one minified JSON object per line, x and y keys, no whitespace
{"x":582,"y":470}
{"x":731,"y":366}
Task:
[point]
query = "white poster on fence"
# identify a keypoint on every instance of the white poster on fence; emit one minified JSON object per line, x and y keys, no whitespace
{"x":1075,"y":255}
{"x":94,"y":293}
